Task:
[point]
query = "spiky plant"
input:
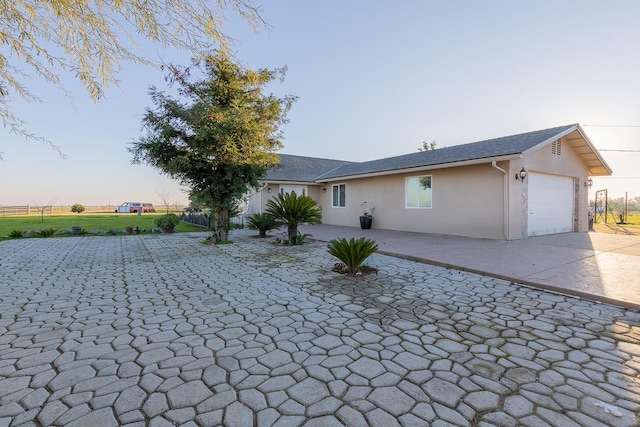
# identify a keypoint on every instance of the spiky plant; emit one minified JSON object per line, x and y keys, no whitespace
{"x":293,"y":210}
{"x":352,"y":252}
{"x":16,"y":234}
{"x":262,"y":222}
{"x":47,"y":232}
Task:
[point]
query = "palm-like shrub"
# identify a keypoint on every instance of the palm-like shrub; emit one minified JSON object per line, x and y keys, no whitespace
{"x":16,"y":234}
{"x":262,"y":222}
{"x":293,"y":210}
{"x":352,"y":252}
{"x":47,"y":232}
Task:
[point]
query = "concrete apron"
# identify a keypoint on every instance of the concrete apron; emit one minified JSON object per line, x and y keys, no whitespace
{"x":598,"y":266}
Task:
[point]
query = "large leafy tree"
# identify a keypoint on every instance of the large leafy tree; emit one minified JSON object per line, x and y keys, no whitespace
{"x":220,"y":137}
{"x":91,"y":38}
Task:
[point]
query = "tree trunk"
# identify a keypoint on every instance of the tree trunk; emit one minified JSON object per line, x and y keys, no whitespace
{"x":293,"y":233}
{"x":221,"y":233}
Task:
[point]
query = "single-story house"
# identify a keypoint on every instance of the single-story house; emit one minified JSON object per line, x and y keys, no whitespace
{"x":504,"y":188}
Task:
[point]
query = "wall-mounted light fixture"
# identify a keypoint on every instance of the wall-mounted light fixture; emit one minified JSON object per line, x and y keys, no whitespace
{"x":269,"y":190}
{"x":588,"y":183}
{"x":324,"y":190}
{"x":520,"y":176}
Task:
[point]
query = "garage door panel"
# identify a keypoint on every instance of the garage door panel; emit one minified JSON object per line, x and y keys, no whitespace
{"x":550,"y":204}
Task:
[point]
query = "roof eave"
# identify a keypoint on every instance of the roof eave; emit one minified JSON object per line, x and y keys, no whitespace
{"x":593,"y":171}
{"x":550,"y":140}
{"x":285,"y":182}
{"x":425,"y":168}
{"x":596,"y":153}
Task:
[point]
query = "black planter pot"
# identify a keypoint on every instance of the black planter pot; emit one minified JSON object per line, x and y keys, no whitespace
{"x":365,"y":222}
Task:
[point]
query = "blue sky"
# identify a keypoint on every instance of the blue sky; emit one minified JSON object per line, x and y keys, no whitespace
{"x":374,"y":79}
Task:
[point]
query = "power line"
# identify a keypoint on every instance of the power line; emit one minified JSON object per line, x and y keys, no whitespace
{"x":612,"y":126}
{"x":619,"y":151}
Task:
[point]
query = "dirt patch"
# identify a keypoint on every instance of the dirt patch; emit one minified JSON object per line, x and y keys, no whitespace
{"x":364,"y":270}
{"x":613,"y":228}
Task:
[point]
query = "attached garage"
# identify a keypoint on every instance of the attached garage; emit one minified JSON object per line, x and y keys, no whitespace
{"x":522,"y":185}
{"x":551,"y":201}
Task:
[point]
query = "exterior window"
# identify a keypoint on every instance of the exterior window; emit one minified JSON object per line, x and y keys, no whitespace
{"x":418,"y":192}
{"x":338,"y":196}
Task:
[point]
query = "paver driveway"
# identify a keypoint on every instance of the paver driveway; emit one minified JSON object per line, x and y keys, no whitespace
{"x":163,"y":330}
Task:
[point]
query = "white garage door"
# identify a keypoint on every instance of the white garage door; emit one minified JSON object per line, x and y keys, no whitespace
{"x":550,"y":204}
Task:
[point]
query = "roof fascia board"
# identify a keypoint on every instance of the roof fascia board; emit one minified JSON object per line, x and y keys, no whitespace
{"x":567,"y":132}
{"x":594,"y":150}
{"x":270,"y":181}
{"x":425,"y":168}
{"x":550,"y":140}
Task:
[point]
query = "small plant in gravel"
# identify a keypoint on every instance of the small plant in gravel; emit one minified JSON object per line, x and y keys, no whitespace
{"x":301,"y":238}
{"x":47,"y":232}
{"x":352,"y":253}
{"x":16,"y":234}
{"x":262,"y":222}
{"x":212,"y":241}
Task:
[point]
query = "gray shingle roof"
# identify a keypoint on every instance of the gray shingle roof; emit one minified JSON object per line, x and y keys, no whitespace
{"x":301,"y":169}
{"x":507,"y":145}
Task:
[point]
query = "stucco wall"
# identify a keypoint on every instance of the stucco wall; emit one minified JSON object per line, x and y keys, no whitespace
{"x":258,"y":201}
{"x":567,"y":164}
{"x":466,"y":201}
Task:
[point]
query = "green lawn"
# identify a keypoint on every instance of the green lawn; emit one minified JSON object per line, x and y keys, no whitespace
{"x":89,"y":222}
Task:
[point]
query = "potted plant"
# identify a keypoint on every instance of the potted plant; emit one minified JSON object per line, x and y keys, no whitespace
{"x":167,"y":222}
{"x":366,"y":219}
{"x":128,"y":229}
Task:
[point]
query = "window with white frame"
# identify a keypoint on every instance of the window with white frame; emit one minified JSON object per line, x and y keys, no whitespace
{"x":418,"y":192}
{"x":338,"y":195}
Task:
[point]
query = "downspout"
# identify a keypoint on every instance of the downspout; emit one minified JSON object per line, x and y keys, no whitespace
{"x":505,"y":202}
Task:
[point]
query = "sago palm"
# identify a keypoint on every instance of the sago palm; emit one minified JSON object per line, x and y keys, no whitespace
{"x":352,"y":252}
{"x":293,"y":210}
{"x":262,"y":222}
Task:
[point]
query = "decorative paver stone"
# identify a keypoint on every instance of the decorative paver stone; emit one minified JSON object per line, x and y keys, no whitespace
{"x":154,"y":356}
{"x":101,"y":417}
{"x":258,"y":334}
{"x":327,"y":342}
{"x":367,"y":368}
{"x":275,"y":358}
{"x":444,"y":392}
{"x":238,"y":415}
{"x":188,"y":394}
{"x":392,"y":400}
{"x":308,"y":391}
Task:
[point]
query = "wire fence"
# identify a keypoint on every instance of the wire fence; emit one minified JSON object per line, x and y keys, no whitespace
{"x":203,"y":219}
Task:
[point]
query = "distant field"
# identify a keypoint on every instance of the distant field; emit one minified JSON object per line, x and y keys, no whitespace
{"x":87,"y":221}
{"x":66,"y":210}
